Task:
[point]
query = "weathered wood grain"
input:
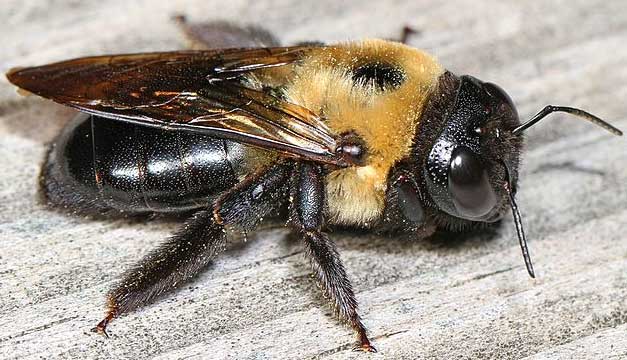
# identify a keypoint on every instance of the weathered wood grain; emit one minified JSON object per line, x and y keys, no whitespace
{"x":455,"y":298}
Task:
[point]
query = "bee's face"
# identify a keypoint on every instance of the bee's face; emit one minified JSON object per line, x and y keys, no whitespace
{"x":464,"y":169}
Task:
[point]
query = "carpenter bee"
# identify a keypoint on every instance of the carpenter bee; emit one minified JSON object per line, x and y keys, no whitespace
{"x":370,"y":134}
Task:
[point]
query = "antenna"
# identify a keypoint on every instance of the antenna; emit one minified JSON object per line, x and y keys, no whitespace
{"x":518,"y":221}
{"x":573,"y":111}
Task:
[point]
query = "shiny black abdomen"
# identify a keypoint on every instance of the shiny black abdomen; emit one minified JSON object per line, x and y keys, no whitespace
{"x":99,"y":165}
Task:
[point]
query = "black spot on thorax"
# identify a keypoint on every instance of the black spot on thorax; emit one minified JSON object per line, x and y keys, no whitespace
{"x":380,"y":76}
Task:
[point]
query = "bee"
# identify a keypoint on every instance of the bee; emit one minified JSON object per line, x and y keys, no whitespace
{"x":369,"y":134}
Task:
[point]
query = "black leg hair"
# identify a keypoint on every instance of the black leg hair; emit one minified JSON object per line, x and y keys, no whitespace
{"x":177,"y":260}
{"x":202,"y":237}
{"x":307,"y":195}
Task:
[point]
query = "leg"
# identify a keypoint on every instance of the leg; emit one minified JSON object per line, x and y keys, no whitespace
{"x":221,"y":34}
{"x":177,"y":260}
{"x":306,"y":215}
{"x":187,"y":252}
{"x":407,"y":32}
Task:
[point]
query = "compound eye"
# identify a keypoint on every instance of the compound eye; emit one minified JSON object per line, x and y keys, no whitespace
{"x":469,"y":185}
{"x":497,"y":92}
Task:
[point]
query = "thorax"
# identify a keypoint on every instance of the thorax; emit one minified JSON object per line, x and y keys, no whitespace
{"x":385,"y":117}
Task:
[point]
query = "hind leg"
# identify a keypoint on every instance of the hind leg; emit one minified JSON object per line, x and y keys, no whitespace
{"x":177,"y":260}
{"x":202,"y":237}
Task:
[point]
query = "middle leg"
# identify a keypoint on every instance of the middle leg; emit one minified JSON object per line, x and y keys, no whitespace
{"x":307,"y":194}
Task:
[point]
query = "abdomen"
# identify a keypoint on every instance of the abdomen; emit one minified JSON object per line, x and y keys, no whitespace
{"x":99,"y":165}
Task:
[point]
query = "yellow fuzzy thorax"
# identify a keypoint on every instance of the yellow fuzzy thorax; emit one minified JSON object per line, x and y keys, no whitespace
{"x":385,"y":120}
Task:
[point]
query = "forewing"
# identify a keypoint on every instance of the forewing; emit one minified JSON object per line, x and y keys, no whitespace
{"x":195,"y":91}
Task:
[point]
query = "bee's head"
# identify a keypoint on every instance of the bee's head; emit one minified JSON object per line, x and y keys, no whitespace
{"x":464,"y":172}
{"x":466,"y":155}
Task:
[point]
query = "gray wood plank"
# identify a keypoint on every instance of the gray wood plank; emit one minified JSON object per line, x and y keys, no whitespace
{"x":446,"y":299}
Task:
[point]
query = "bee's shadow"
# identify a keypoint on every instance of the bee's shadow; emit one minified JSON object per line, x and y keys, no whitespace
{"x":34,"y":118}
{"x":441,"y":240}
{"x":458,"y":241}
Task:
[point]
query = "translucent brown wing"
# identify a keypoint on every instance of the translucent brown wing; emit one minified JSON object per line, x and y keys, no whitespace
{"x":191,"y":91}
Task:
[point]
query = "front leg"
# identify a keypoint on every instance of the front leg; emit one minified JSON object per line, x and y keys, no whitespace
{"x":307,"y":206}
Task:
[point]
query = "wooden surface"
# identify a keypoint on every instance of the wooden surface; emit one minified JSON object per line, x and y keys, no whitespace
{"x":449,"y":298}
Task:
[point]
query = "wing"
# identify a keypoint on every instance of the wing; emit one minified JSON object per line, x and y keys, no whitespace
{"x":195,"y":91}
